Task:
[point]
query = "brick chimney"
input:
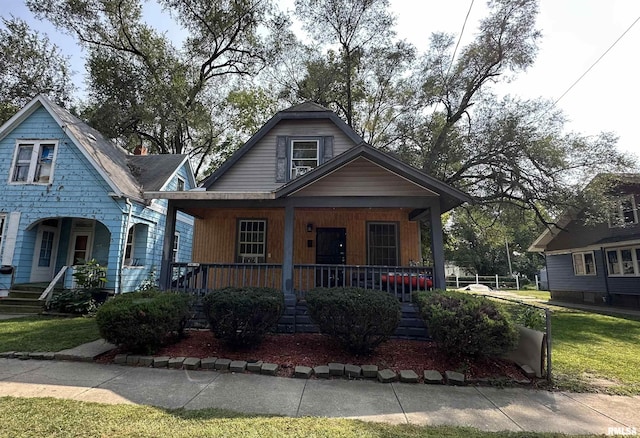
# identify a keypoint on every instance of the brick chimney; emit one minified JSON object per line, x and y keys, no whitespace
{"x":140,"y":150}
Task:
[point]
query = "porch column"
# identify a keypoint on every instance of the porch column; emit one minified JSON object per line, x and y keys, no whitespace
{"x":167,"y":246}
{"x":287,"y":259}
{"x":437,"y":247}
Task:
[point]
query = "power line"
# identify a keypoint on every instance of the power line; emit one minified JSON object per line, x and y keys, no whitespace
{"x":594,"y":64}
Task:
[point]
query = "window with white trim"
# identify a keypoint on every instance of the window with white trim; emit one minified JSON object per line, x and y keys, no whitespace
{"x":33,"y":162}
{"x":252,"y":240}
{"x":2,"y":221}
{"x":623,"y":261}
{"x":180,"y":185}
{"x":382,"y":243}
{"x":305,"y":155}
{"x":135,"y":252}
{"x":584,"y":263}
{"x":176,"y":247}
{"x":624,"y":212}
{"x":128,"y":251}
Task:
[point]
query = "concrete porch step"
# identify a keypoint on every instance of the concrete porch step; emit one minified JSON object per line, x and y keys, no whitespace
{"x":12,"y":308}
{"x":34,"y":295}
{"x":11,"y":301}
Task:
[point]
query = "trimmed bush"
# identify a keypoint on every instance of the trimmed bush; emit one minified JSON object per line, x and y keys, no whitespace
{"x":467,"y":325}
{"x":359,"y":318}
{"x":141,"y":322}
{"x":78,"y":301}
{"x":240,"y":317}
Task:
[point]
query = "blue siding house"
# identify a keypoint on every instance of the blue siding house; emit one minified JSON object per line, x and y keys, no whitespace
{"x":70,"y":195}
{"x":597,"y":263}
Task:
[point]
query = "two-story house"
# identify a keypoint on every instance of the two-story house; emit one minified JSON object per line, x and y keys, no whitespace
{"x":70,"y":195}
{"x":598,"y":263}
{"x":305,"y":203}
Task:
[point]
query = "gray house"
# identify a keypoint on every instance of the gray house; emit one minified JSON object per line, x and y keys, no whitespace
{"x":598,"y":263}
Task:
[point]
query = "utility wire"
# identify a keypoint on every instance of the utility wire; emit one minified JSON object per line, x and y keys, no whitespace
{"x":594,"y":64}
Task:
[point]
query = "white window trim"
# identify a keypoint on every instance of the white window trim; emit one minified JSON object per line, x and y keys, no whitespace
{"x":33,"y":163}
{"x":315,"y":140}
{"x":584,"y":264}
{"x":620,"y":212}
{"x":634,"y":258}
{"x":176,"y":247}
{"x":3,"y":222}
{"x":241,"y":256}
{"x":132,"y":245}
{"x":184,"y":184}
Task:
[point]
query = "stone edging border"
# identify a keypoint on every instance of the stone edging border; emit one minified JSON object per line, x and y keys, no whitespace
{"x":331,"y":370}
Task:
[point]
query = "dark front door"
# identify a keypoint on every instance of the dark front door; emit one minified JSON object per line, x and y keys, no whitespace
{"x":331,"y":249}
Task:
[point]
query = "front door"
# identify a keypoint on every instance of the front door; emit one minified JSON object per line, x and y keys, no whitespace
{"x":331,"y":249}
{"x":44,"y":256}
{"x":80,"y":251}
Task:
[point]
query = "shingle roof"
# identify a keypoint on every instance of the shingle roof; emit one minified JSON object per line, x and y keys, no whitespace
{"x":306,"y":107}
{"x":153,"y":171}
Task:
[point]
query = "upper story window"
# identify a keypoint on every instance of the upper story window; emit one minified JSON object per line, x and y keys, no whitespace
{"x":33,"y":162}
{"x":180,"y":185}
{"x":624,"y":212}
{"x":305,"y":155}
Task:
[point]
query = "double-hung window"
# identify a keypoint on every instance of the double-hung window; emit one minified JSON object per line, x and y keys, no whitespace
{"x":382,"y":243}
{"x":128,"y":252}
{"x":252,"y":240}
{"x":623,"y":261}
{"x":33,"y":162}
{"x":305,"y":155}
{"x":176,"y":247}
{"x":584,"y":263}
{"x":2,"y":220}
{"x":623,"y":212}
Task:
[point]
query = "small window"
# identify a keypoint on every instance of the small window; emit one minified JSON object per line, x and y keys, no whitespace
{"x":2,"y":220}
{"x":176,"y":247}
{"x":584,"y":263}
{"x":382,"y":242}
{"x":252,"y":238}
{"x":180,"y":185}
{"x":304,"y":156}
{"x":33,"y":162}
{"x":128,"y":252}
{"x":624,"y":212}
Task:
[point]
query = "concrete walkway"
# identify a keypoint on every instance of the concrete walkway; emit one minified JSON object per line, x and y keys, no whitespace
{"x":490,"y":409}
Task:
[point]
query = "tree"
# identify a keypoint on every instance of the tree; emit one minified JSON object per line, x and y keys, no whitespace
{"x":30,"y":65}
{"x":144,"y":89}
{"x":355,"y":26}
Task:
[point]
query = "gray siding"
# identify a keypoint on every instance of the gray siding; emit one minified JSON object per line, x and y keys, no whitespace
{"x":256,"y":171}
{"x":363,"y":178}
{"x":578,"y":235}
{"x":561,"y":276}
{"x":624,"y":285}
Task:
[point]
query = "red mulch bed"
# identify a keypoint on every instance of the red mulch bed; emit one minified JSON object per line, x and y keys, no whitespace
{"x":290,"y":350}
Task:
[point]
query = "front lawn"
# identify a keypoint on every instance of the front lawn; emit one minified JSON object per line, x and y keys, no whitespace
{"x":39,"y":417}
{"x":592,"y":351}
{"x":41,"y":333}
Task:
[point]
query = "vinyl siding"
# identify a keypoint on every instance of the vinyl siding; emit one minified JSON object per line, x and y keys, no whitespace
{"x":256,"y":170}
{"x":361,"y":177}
{"x":562,"y":278}
{"x":578,"y":235}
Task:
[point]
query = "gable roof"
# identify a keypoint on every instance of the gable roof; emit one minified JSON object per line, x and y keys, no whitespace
{"x":450,"y":197}
{"x":303,"y":111}
{"x":110,"y":160}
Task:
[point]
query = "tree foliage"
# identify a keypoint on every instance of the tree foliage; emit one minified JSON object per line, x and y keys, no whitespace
{"x":30,"y":65}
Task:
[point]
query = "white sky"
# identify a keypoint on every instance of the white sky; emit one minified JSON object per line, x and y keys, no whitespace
{"x":575,"y":34}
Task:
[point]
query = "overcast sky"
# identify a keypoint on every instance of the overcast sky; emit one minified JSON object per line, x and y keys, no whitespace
{"x":575,"y":34}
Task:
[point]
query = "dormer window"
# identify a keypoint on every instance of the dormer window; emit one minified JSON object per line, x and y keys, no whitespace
{"x":33,"y":162}
{"x":304,"y":156}
{"x":624,"y":212}
{"x":180,"y":185}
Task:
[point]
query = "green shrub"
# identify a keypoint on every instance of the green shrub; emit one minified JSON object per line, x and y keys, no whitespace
{"x":360,"y":319}
{"x":77,"y":301}
{"x":141,"y":322}
{"x":241,"y":317}
{"x":467,"y":325}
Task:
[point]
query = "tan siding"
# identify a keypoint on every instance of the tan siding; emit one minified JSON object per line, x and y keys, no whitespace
{"x":361,"y":177}
{"x":215,"y":233}
{"x":255,"y":171}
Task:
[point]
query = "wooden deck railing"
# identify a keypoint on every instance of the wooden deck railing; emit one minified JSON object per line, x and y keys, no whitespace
{"x":401,"y":281}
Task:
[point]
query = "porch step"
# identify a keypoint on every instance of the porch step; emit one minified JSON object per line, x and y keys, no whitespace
{"x":29,"y":287}
{"x":22,"y":308}
{"x":11,"y":301}
{"x":31,"y":294}
{"x":23,"y":298}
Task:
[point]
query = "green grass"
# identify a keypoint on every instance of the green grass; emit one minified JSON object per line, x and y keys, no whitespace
{"x":24,"y":417}
{"x":542,"y":295}
{"x":39,"y":333}
{"x":588,"y":345}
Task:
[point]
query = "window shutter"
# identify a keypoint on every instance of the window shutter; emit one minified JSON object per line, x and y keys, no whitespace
{"x":328,"y":149}
{"x":281,"y":159}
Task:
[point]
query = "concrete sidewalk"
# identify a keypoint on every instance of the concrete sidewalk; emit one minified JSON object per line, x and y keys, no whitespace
{"x":487,"y":408}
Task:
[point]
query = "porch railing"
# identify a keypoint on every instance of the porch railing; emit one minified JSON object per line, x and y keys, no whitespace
{"x":201,"y":277}
{"x":401,"y":281}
